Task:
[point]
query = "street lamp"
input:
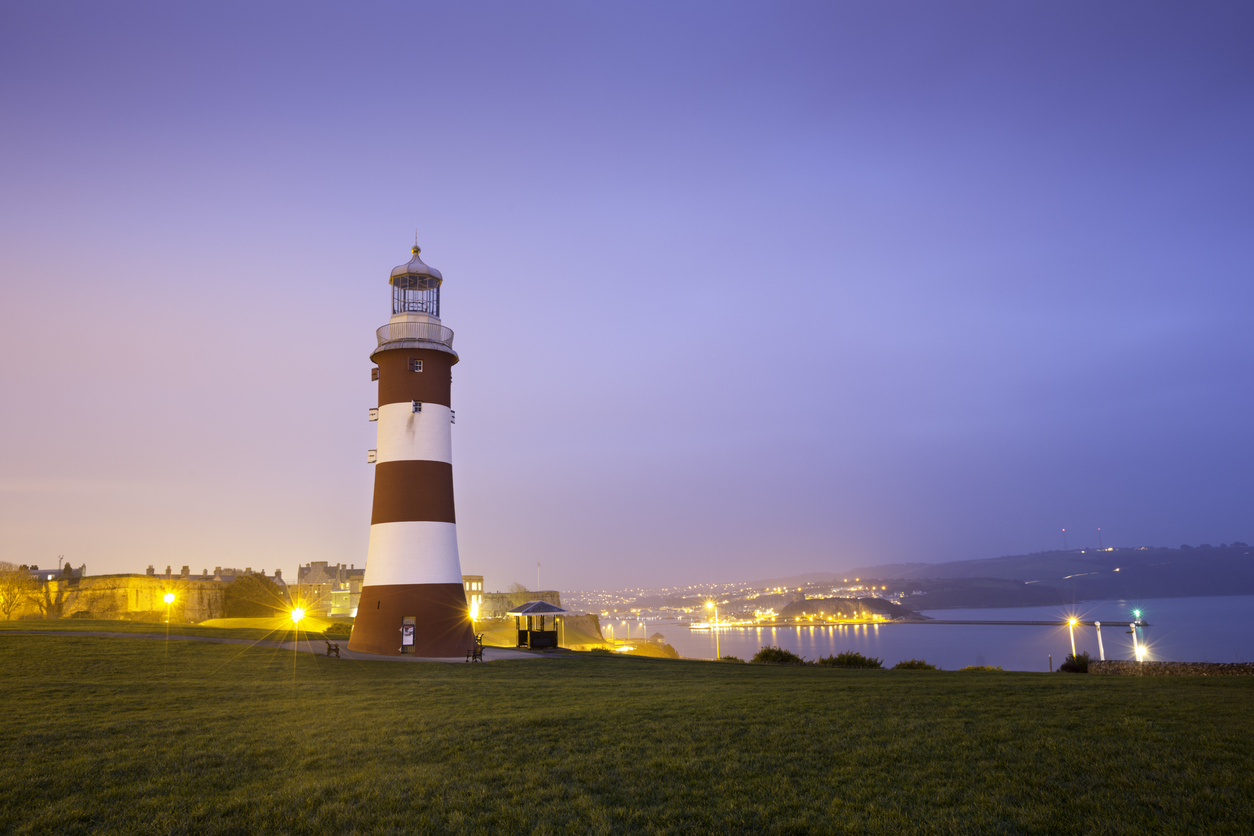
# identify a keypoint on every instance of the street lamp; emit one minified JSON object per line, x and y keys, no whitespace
{"x":1071,"y":622}
{"x":1137,"y":647}
{"x":169,"y":599}
{"x":297,"y":614}
{"x":710,"y":605}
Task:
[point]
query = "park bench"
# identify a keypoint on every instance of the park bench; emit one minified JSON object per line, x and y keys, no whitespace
{"x":332,"y":649}
{"x":475,"y":654}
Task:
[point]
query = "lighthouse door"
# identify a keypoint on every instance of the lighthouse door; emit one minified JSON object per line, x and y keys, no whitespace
{"x":407,"y":634}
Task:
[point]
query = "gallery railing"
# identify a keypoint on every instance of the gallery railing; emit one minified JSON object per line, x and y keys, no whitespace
{"x":415,"y":331}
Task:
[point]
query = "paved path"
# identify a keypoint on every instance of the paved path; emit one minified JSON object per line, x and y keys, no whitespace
{"x":490,"y":654}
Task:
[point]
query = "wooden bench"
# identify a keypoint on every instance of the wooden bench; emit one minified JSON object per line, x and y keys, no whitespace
{"x":332,"y":649}
{"x":475,"y":654}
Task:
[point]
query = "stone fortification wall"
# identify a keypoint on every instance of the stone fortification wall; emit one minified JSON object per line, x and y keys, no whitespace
{"x":496,"y":604}
{"x":1126,"y":668}
{"x":582,"y":632}
{"x":133,"y":597}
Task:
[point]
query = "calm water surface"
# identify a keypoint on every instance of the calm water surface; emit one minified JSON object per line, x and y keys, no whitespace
{"x":1216,"y":629}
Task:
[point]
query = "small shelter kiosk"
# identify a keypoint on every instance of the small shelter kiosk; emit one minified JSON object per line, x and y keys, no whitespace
{"x":538,"y":615}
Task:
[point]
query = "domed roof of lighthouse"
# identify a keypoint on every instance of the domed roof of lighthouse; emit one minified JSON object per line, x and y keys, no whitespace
{"x":415,"y":273}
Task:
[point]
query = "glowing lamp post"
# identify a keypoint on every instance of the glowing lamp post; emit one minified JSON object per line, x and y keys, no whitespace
{"x":1137,"y":647}
{"x":710,"y":605}
{"x":297,"y":614}
{"x":1071,"y":622}
{"x":169,"y":599}
{"x":1101,"y":651}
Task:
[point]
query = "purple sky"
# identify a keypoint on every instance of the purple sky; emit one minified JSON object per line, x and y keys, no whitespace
{"x":740,"y":290}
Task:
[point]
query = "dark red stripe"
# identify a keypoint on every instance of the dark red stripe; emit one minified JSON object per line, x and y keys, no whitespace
{"x":413,"y":491}
{"x":442,"y":619}
{"x":397,"y":384}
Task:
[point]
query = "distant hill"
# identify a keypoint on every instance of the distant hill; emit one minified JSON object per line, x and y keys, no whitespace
{"x":1079,"y":574}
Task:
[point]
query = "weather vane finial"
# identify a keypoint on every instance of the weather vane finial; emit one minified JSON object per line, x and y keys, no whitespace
{"x":416,"y":248}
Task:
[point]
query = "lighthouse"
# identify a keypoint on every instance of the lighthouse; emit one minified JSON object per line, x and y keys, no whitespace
{"x":412,"y":598}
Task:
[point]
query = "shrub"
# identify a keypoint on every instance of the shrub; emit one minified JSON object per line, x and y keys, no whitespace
{"x":777,"y":656}
{"x":337,"y":628}
{"x":605,"y":650}
{"x":731,"y":659}
{"x":981,"y":668}
{"x":914,"y":665}
{"x":1076,"y":664}
{"x":252,"y":596}
{"x":851,"y":659}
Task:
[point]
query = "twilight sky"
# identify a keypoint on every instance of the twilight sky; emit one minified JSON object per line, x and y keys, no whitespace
{"x":740,"y":290}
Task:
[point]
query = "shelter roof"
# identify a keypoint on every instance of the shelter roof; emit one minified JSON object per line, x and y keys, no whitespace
{"x":537,"y":608}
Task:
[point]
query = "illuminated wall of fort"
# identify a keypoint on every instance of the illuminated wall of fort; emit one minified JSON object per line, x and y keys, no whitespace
{"x":130,"y":597}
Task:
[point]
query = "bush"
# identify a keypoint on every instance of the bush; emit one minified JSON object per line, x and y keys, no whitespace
{"x":1075,"y":664}
{"x":981,"y":668}
{"x":777,"y":656}
{"x":252,"y":596}
{"x":851,"y":659}
{"x":338,"y":629}
{"x":914,"y":665}
{"x":605,"y":650}
{"x":731,"y":659}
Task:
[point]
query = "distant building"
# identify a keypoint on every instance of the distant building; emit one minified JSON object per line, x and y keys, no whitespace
{"x":65,"y":572}
{"x":326,"y":589}
{"x":220,"y":575}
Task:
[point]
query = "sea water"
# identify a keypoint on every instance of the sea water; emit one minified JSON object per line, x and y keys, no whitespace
{"x":1212,"y":629}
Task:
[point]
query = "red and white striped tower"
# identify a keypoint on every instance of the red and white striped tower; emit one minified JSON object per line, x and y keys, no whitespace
{"x":412,"y":598}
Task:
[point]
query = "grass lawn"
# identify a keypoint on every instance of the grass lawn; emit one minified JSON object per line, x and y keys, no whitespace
{"x":106,"y":735}
{"x":283,"y":632}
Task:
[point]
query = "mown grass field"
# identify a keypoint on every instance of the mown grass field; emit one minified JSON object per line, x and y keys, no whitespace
{"x":143,"y":736}
{"x":148,"y":627}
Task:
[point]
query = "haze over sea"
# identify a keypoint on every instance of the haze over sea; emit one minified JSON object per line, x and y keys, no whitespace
{"x":1182,"y":629}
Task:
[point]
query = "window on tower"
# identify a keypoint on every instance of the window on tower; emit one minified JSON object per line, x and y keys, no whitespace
{"x":415,"y":365}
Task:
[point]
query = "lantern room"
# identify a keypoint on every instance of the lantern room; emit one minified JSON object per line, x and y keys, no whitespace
{"x":416,"y":287}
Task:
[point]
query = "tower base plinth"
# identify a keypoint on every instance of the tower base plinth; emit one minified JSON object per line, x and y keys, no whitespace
{"x":442,"y":625}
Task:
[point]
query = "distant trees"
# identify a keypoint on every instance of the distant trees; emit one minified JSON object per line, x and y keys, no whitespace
{"x":518,"y":594}
{"x":252,"y":596}
{"x":1076,"y":664}
{"x":16,"y":585}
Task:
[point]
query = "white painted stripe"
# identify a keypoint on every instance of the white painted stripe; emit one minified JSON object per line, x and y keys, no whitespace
{"x":405,"y":435}
{"x":412,"y":552}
